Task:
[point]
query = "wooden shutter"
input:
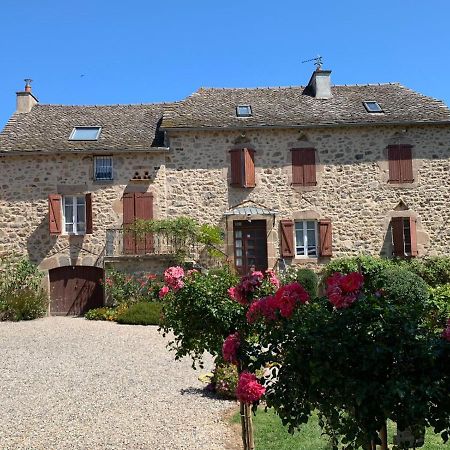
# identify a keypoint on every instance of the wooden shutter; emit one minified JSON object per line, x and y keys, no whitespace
{"x":397,"y":236}
{"x":249,"y":167}
{"x":413,"y":233}
{"x":129,"y":237}
{"x":89,"y":224}
{"x":143,"y":209}
{"x":304,"y":166}
{"x":405,"y":163}
{"x":236,"y":167}
{"x":394,"y":164}
{"x":287,"y":238}
{"x":325,"y":238}
{"x":54,"y":214}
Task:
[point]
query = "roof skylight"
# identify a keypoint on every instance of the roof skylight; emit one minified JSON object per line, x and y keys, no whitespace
{"x":372,"y":107}
{"x":85,"y":133}
{"x":243,"y":111}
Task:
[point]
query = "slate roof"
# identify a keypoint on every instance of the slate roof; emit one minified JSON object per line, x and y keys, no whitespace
{"x":47,"y":128}
{"x":293,"y":107}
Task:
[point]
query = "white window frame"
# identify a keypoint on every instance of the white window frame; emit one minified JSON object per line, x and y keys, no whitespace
{"x":96,"y":158}
{"x":74,"y":131}
{"x":305,"y":238}
{"x":74,"y":218}
{"x":249,"y":114}
{"x":372,"y":111}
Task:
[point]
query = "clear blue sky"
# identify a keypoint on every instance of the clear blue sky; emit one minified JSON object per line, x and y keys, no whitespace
{"x":140,"y":51}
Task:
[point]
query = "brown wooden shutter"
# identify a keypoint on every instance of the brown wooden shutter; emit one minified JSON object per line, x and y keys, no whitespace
{"x":325,"y":238}
{"x":287,"y":238}
{"x":413,"y":233}
{"x":304,"y":166}
{"x":89,"y":224}
{"x":249,"y":167}
{"x":129,"y":237}
{"x":143,"y":204}
{"x":405,"y":164}
{"x":236,"y":167}
{"x":297,"y":167}
{"x":394,"y":164}
{"x":398,"y":236}
{"x":54,"y":214}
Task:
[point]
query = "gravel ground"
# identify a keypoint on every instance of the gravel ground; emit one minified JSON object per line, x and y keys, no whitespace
{"x":69,"y":383}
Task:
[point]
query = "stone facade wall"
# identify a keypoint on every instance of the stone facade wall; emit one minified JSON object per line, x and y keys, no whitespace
{"x":27,"y":181}
{"x":352,"y":188}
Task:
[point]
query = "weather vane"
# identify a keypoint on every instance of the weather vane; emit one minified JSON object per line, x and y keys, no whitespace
{"x":317,"y":62}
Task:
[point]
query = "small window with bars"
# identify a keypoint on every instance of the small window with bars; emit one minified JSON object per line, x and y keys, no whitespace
{"x":103,"y":168}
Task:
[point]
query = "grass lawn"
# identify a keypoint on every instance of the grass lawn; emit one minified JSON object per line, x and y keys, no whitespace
{"x":271,"y":435}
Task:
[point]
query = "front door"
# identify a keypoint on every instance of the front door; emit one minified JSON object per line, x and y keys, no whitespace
{"x":250,"y":245}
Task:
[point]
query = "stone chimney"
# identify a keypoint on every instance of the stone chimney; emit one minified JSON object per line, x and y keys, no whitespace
{"x":25,"y":100}
{"x":320,"y":84}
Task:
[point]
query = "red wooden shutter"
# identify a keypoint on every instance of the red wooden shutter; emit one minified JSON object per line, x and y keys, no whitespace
{"x":54,"y":214}
{"x":397,"y":236}
{"x":304,"y":166}
{"x":325,"y":238}
{"x":394,"y":164}
{"x":89,"y":224}
{"x":129,"y":238}
{"x":405,"y":164}
{"x":143,"y":204}
{"x":249,"y":167}
{"x":287,"y":238}
{"x":413,"y":233}
{"x":297,"y":167}
{"x":236,"y":167}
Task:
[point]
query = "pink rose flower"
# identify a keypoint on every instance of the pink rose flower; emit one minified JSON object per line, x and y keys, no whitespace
{"x":343,"y":290}
{"x":230,"y":348}
{"x":249,"y":390}
{"x":163,"y":291}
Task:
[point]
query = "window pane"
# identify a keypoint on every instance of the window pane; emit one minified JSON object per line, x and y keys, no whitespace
{"x":407,"y":236}
{"x":239,"y":252}
{"x":103,"y":168}
{"x":68,"y":214}
{"x":238,"y":234}
{"x":85,"y":133}
{"x":238,"y":262}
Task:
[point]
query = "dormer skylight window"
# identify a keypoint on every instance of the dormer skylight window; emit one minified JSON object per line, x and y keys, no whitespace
{"x":243,"y":111}
{"x":85,"y":134}
{"x":372,"y":107}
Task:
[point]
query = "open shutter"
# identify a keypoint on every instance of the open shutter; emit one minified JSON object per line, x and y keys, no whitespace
{"x":54,"y":214}
{"x":143,"y":204}
{"x":287,"y":238}
{"x":397,"y":236}
{"x":405,"y":164}
{"x":413,"y":232}
{"x":297,"y":167}
{"x":394,"y":164}
{"x":89,"y":224}
{"x":129,"y":238}
{"x":236,"y":167}
{"x":325,"y":238}
{"x":304,"y":166}
{"x":249,"y":167}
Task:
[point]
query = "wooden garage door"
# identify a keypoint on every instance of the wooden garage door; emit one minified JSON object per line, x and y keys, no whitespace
{"x":75,"y":289}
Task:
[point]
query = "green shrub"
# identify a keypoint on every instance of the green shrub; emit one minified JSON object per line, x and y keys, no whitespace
{"x":438,"y":307}
{"x":143,"y":313}
{"x":306,"y":277}
{"x":17,"y":273}
{"x":104,"y":313}
{"x":435,"y":271}
{"x":24,"y":304}
{"x":225,"y":380}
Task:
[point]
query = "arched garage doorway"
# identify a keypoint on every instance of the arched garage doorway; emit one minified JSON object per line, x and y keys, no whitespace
{"x":75,"y":289}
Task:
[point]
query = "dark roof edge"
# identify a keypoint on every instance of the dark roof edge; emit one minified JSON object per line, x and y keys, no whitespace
{"x":327,"y":125}
{"x":152,"y":150}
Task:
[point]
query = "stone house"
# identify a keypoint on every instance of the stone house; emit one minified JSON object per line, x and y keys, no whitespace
{"x":293,"y":175}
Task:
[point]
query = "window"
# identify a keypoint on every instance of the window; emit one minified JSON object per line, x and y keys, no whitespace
{"x":400,"y":164}
{"x":74,"y":214}
{"x":303,"y":167}
{"x":243,"y":111}
{"x":103,"y":168}
{"x":372,"y":107}
{"x":404,"y":241}
{"x":242,"y":167}
{"x":85,"y":134}
{"x":306,"y":238}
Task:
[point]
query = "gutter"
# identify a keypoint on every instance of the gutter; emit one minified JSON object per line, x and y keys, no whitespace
{"x":151,"y":150}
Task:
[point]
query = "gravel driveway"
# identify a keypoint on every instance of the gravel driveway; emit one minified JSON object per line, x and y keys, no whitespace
{"x":69,"y":383}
